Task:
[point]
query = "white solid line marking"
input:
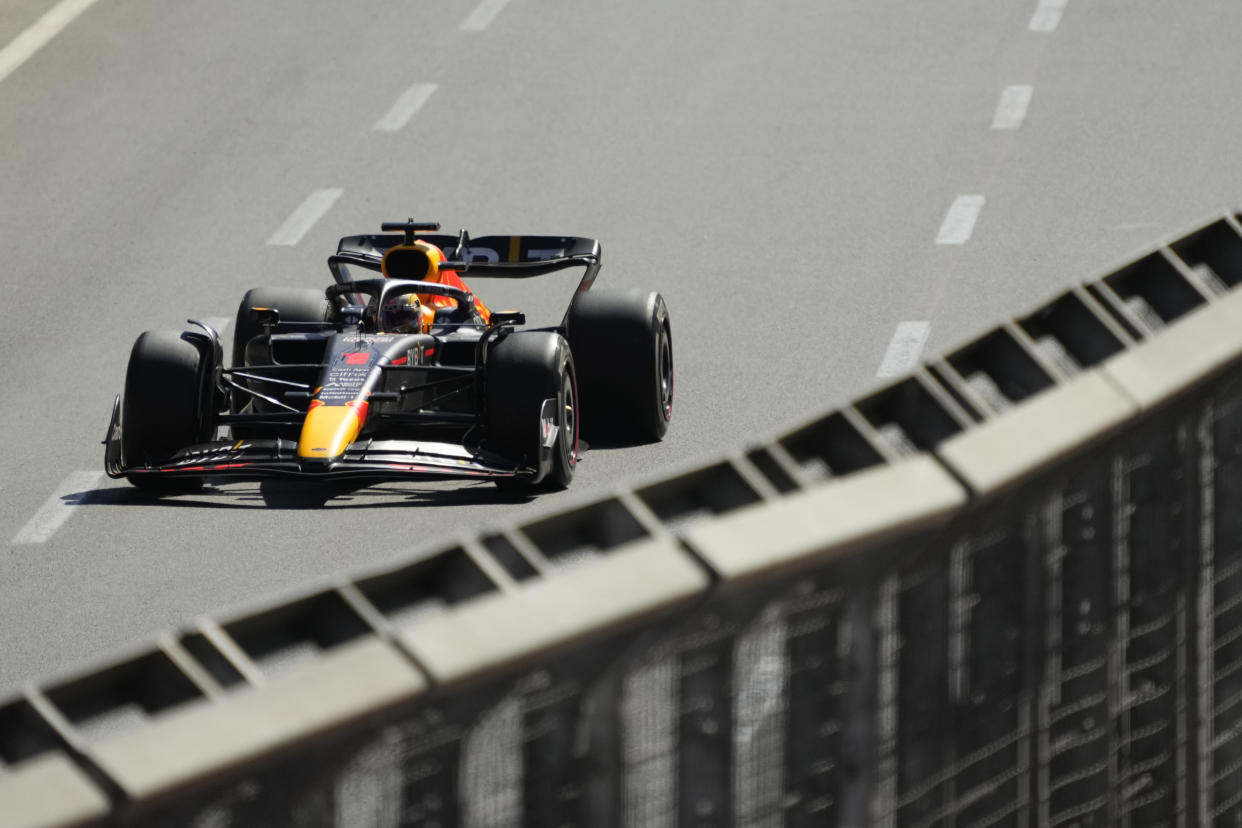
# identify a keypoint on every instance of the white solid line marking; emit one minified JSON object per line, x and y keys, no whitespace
{"x":57,"y":508}
{"x":1047,"y":15}
{"x":1011,"y":111}
{"x":23,"y":47}
{"x":304,"y":218}
{"x":405,"y":108}
{"x":959,"y":222}
{"x":482,"y":16}
{"x":905,"y":348}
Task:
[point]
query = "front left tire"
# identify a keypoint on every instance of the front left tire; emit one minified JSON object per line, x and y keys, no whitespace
{"x":524,"y":370}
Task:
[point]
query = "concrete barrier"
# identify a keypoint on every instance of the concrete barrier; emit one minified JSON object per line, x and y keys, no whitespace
{"x":1000,"y":590}
{"x":50,"y":790}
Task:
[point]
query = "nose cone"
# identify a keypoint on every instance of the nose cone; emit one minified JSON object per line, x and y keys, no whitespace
{"x":329,"y":429}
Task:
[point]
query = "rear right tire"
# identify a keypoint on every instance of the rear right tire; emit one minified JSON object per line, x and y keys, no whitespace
{"x":293,"y":305}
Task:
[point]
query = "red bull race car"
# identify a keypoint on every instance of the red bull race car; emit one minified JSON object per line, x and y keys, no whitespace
{"x":397,"y":371}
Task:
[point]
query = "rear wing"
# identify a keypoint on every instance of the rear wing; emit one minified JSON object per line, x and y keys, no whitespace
{"x":506,"y":257}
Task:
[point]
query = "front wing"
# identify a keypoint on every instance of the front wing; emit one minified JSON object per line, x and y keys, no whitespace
{"x":256,"y":459}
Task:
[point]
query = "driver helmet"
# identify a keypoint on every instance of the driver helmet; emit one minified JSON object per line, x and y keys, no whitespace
{"x":403,"y":315}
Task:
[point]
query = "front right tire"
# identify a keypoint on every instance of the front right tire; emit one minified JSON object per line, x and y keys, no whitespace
{"x":161,"y":409}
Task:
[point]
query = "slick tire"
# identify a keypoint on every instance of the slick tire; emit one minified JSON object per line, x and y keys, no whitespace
{"x":161,"y":410}
{"x":293,"y":305}
{"x":622,"y":344}
{"x":523,"y":370}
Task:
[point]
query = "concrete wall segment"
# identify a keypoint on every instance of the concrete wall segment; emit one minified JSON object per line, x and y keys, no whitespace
{"x":506,"y":631}
{"x":50,"y":791}
{"x":834,"y":519}
{"x":358,"y":680}
{"x":1037,"y":434}
{"x":1182,"y":356}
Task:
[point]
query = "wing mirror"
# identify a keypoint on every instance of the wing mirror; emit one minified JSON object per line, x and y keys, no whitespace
{"x":499,"y":318}
{"x":265,"y":316}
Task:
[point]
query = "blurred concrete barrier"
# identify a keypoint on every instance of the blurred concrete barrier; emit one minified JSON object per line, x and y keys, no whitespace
{"x":1005,"y":589}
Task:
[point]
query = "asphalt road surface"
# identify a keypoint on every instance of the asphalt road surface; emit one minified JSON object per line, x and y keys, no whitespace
{"x":822,"y":191}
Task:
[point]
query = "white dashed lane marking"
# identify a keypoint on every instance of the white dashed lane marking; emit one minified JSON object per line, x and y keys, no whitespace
{"x":483,"y":15}
{"x":1047,"y":15}
{"x":405,"y":108}
{"x":25,"y":45}
{"x":304,"y":217}
{"x":905,"y":348}
{"x":57,"y":508}
{"x":1011,"y":111}
{"x":959,"y":222}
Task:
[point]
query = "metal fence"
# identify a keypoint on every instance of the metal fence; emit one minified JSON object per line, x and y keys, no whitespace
{"x":1003,"y":590}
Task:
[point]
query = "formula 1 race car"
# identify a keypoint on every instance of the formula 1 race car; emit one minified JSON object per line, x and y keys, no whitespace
{"x":397,"y":371}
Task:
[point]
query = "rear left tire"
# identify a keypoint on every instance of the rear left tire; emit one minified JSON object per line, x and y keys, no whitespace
{"x":622,"y":344}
